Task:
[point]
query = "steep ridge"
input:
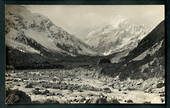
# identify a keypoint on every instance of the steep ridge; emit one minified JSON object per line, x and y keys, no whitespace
{"x":145,"y":61}
{"x":150,"y":41}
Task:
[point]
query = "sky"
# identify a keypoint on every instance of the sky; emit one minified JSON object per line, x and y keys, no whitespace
{"x":81,"y":19}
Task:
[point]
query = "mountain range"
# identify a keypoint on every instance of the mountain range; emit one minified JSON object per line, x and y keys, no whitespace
{"x":34,"y":41}
{"x":116,"y":36}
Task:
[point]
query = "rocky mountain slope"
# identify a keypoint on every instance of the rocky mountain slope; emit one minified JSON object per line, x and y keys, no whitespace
{"x":34,"y":38}
{"x":145,"y":61}
{"x":116,"y":36}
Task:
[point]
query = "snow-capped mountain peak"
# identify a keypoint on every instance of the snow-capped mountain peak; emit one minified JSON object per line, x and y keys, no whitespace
{"x":118,"y":34}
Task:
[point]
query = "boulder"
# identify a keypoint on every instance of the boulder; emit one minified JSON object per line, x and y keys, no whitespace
{"x":160,"y":85}
{"x":107,"y":90}
{"x":101,"y":100}
{"x":17,"y":97}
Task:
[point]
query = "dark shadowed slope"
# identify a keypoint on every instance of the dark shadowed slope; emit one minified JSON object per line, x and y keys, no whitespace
{"x":156,"y":36}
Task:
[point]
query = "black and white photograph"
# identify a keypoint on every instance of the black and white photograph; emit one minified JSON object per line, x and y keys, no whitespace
{"x":85,"y":54}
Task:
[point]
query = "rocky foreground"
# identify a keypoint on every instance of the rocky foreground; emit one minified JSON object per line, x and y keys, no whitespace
{"x":84,"y":86}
